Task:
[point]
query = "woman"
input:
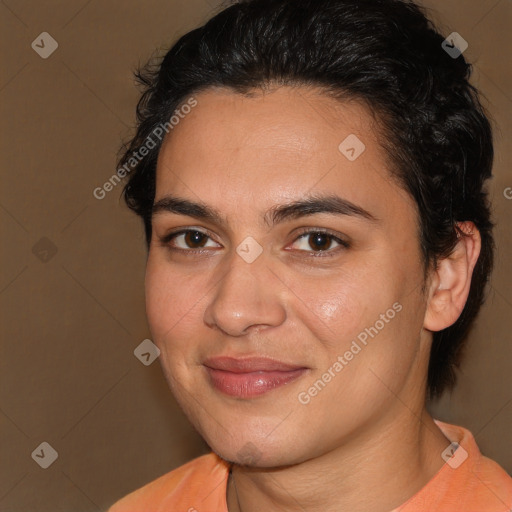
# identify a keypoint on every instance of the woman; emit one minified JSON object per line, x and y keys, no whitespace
{"x":311,"y":179}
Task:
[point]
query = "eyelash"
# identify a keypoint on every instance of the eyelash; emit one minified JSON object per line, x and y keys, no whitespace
{"x":165,"y":241}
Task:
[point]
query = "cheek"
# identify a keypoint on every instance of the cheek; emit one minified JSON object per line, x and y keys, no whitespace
{"x":337,"y":305}
{"x":169,"y":300}
{"x":362,"y":314}
{"x":334,"y":316}
{"x":170,"y":312}
{"x":157,"y":297}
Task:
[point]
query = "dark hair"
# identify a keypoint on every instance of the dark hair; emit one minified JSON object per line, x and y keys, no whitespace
{"x":385,"y":53}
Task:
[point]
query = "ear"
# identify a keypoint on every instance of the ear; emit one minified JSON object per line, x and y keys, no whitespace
{"x":451,"y":280}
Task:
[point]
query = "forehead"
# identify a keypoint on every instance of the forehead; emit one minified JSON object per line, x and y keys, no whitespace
{"x":274,"y":146}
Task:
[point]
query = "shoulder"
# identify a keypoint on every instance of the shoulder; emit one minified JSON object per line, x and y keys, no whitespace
{"x":468,"y":480}
{"x":198,"y":483}
{"x":492,"y":479}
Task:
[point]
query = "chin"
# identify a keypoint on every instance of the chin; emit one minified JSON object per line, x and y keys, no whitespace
{"x":258,"y":451}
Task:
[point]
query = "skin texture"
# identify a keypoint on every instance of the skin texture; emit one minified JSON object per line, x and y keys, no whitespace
{"x":365,"y":441}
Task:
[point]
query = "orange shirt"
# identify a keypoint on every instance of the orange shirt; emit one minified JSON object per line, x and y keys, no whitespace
{"x":467,"y":482}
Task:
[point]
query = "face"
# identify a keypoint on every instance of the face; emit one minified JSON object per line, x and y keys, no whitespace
{"x":288,"y":307}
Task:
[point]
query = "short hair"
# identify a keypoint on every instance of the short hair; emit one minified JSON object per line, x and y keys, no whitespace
{"x":386,"y":54}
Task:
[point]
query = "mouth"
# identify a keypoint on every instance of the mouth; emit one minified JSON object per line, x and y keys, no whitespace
{"x":250,"y":377}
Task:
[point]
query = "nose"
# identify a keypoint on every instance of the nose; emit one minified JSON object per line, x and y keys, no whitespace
{"x":248,"y":297}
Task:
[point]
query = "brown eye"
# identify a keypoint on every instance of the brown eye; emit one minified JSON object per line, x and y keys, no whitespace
{"x":195,"y":239}
{"x":319,"y":241}
{"x":188,"y":240}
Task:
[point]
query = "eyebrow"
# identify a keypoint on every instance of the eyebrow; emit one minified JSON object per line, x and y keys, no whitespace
{"x":310,"y":205}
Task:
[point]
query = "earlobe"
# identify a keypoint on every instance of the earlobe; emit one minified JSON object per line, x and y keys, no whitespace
{"x":451,"y":280}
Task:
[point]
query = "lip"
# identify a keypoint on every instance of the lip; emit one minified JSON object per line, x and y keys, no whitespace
{"x":250,"y":377}
{"x":249,"y":364}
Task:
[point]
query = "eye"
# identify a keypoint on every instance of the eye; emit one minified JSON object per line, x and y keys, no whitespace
{"x":319,"y":241}
{"x":188,"y":240}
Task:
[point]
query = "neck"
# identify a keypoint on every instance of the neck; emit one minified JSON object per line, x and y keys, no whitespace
{"x":378,"y":470}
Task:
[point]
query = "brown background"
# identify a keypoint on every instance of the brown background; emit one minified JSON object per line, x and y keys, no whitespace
{"x":71,"y":320}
